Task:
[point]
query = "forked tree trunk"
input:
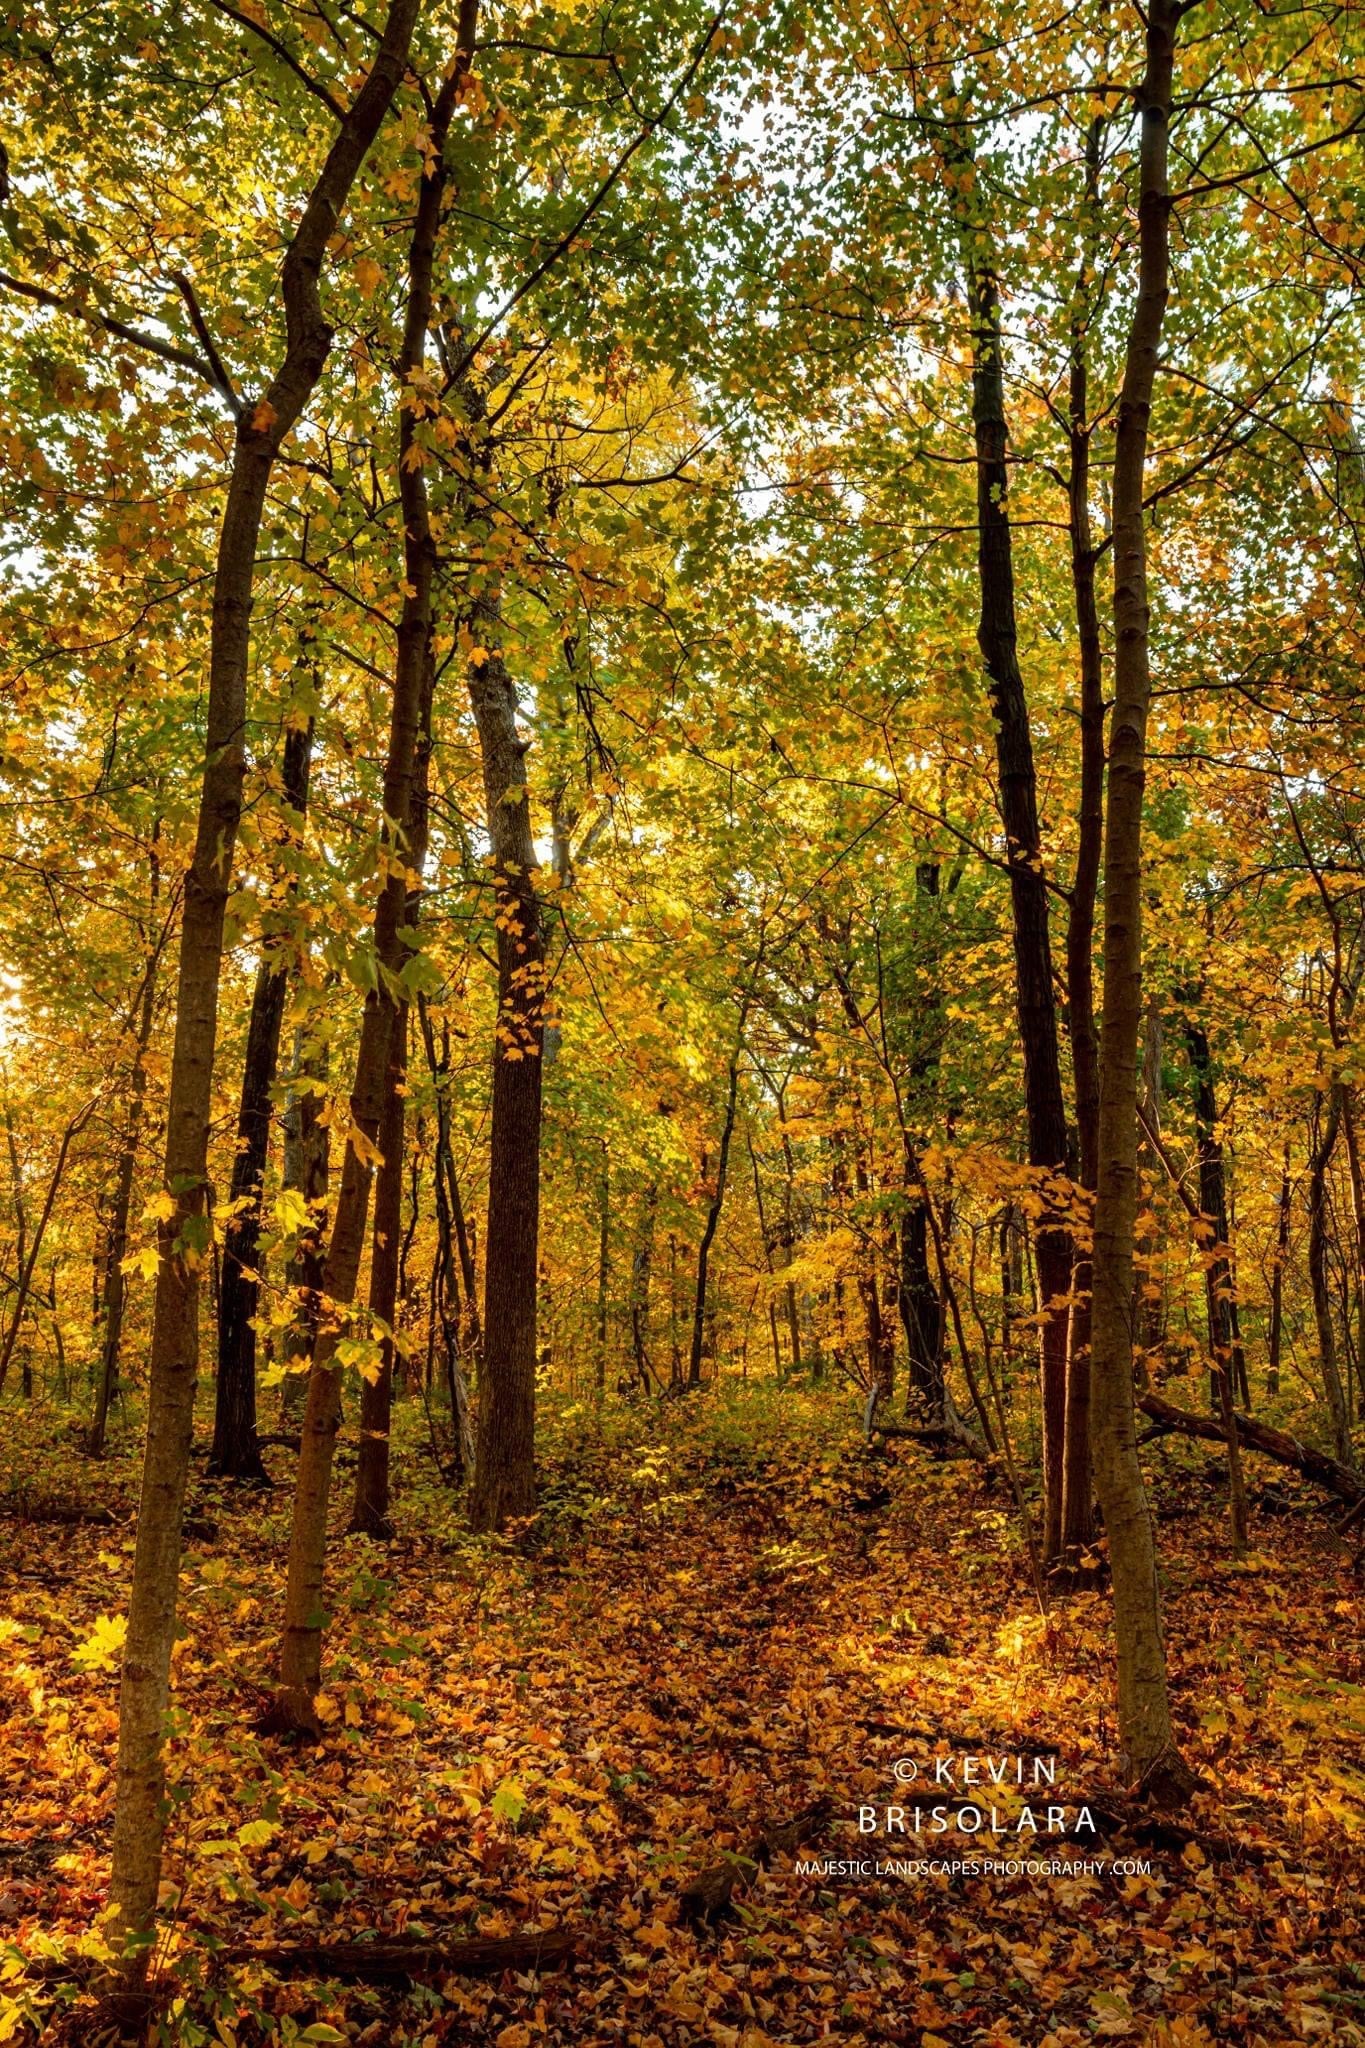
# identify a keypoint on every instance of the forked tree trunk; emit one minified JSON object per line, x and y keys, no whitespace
{"x":235,"y":1453}
{"x":301,"y":1646}
{"x":1148,"y":1753}
{"x":1077,"y":1481}
{"x":139,"y":1816}
{"x":997,"y":636}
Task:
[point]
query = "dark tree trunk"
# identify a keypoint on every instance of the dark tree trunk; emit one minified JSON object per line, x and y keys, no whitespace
{"x":1148,"y":1753}
{"x":1077,"y":1481}
{"x":713,"y":1212}
{"x":1272,"y":1375}
{"x":307,"y":1160}
{"x":1216,"y":1252}
{"x":235,"y":1453}
{"x":1324,"y":1146}
{"x":504,"y":1459}
{"x":997,"y":636}
{"x":301,"y":1646}
{"x":370,"y":1510}
{"x":139,"y":1818}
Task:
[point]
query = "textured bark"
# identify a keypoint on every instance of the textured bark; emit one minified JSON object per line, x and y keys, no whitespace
{"x":139,"y":1818}
{"x":304,"y":1615}
{"x":997,"y":636}
{"x":504,"y":1461}
{"x":1077,"y":1482}
{"x":235,"y":1453}
{"x":1148,"y":1753}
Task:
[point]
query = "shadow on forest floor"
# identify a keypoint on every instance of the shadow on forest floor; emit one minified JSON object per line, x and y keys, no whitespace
{"x":727,"y":1620}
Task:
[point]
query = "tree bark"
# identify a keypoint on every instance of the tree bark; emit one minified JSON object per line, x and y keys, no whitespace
{"x":713,"y":1212}
{"x":504,"y":1460}
{"x":116,"y":1250}
{"x":1148,"y":1752}
{"x":370,"y":1507}
{"x":235,"y":1453}
{"x":1276,"y":1339}
{"x":997,"y":637}
{"x":403,"y":817}
{"x":139,"y":1818}
{"x":1321,"y":1159}
{"x":1077,"y":1481}
{"x":1216,"y":1251}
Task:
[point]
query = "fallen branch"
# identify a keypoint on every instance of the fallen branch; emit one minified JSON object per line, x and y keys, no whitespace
{"x":707,"y":1896}
{"x":482,"y":1955}
{"x":17,"y":1508}
{"x":1259,"y":1436}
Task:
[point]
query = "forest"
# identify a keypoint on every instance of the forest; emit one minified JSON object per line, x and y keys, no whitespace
{"x":682,"y":905}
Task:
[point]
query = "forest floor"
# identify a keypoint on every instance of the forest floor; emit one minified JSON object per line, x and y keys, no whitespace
{"x":727,"y":1615}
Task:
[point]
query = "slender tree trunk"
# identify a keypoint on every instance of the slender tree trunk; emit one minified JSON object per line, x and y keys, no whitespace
{"x":1216,"y":1252}
{"x":1077,"y":1482}
{"x":403,"y":813}
{"x":115,"y":1280}
{"x":370,"y":1508}
{"x":307,"y":1158}
{"x":713,"y":1212}
{"x":1320,"y":1161}
{"x":1272,"y":1375}
{"x":641,"y":1273}
{"x":235,"y":1453}
{"x":997,"y":636}
{"x":1148,"y":1753}
{"x":25,"y":1279}
{"x":603,"y":1274}
{"x":139,"y":1818}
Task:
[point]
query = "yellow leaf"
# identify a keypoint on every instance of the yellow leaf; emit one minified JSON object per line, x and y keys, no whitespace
{"x":367,"y":274}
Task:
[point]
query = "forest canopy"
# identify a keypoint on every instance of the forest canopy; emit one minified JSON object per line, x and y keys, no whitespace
{"x":682,"y":873}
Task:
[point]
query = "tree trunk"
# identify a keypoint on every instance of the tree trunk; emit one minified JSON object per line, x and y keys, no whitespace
{"x":1321,"y":1159}
{"x":139,"y":1818}
{"x":714,"y":1208}
{"x":1216,"y":1254}
{"x":403,"y":815}
{"x":235,"y":1454}
{"x":641,"y":1271}
{"x":1148,"y":1753}
{"x":1272,"y":1374}
{"x":25,"y":1277}
{"x":504,"y":1460}
{"x":997,"y":636}
{"x":603,"y":1274}
{"x":307,"y":1158}
{"x":1077,"y":1482}
{"x":370,"y":1508}
{"x":116,"y":1250}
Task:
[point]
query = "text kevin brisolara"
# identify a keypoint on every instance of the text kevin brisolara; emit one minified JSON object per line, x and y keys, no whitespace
{"x":967,"y":1807}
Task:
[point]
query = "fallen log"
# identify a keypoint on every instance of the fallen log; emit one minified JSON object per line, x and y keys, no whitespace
{"x":72,"y":1514}
{"x":707,"y":1896}
{"x":1259,"y":1436}
{"x":480,"y":1955}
